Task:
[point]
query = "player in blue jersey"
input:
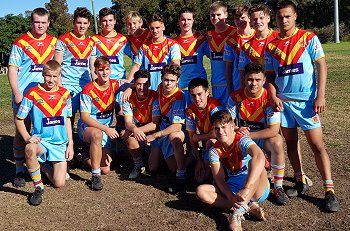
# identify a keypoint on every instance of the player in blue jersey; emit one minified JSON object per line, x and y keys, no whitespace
{"x":28,"y":55}
{"x":199,"y":127}
{"x":138,"y":119}
{"x":76,"y":52}
{"x":193,"y":47}
{"x":256,"y":118}
{"x":111,"y":44}
{"x":97,"y":103}
{"x":156,"y":52}
{"x":51,"y":142}
{"x":169,"y":115}
{"x":243,"y":160}
{"x":298,"y":92}
{"x":233,"y":45}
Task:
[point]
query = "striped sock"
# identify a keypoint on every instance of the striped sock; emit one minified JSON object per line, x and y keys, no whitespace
{"x":328,"y":186}
{"x":181,"y":174}
{"x":278,"y":174}
{"x":36,"y":176}
{"x":96,"y":171}
{"x":19,"y":159}
{"x":300,"y":176}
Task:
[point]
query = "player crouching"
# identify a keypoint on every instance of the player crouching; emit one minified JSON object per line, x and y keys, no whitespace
{"x":247,"y":179}
{"x":97,"y":104}
{"x":51,"y":142}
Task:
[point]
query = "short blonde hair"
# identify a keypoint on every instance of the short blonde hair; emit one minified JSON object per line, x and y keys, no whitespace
{"x":133,"y":15}
{"x":52,"y":65}
{"x":217,"y":5}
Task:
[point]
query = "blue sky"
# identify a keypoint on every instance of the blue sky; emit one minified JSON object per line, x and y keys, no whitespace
{"x":20,"y":6}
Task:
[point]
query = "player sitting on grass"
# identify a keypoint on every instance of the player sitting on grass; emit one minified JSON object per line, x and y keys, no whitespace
{"x":244,"y":163}
{"x":97,"y":108}
{"x":51,"y":142}
{"x":199,"y":126}
{"x":138,"y":118}
{"x":256,"y":118}
{"x":169,"y":115}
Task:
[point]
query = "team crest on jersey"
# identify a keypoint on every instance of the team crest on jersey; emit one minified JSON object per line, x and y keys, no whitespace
{"x":134,"y":108}
{"x":98,"y":42}
{"x":316,"y":119}
{"x":40,"y":101}
{"x":317,"y":47}
{"x":28,"y":48}
{"x":52,"y":46}
{"x":303,"y":43}
{"x":97,"y":99}
{"x":71,"y":44}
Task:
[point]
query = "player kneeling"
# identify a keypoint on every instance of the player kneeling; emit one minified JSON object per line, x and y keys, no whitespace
{"x":138,"y":118}
{"x":97,"y":104}
{"x":247,"y":179}
{"x":51,"y":142}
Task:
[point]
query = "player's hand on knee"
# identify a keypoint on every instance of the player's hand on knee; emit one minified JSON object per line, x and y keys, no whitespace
{"x":139,"y":135}
{"x":111,"y":133}
{"x":33,"y":140}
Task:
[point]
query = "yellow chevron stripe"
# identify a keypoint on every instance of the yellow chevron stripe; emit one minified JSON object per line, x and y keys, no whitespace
{"x":36,"y":53}
{"x":154,"y":58}
{"x":188,"y":51}
{"x":77,"y":51}
{"x":47,"y":107}
{"x":100,"y":102}
{"x":111,"y":51}
{"x":297,"y":47}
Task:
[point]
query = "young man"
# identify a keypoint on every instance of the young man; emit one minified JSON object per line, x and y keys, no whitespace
{"x":169,"y":116}
{"x":247,"y":179}
{"x":256,"y":118}
{"x":199,"y":127}
{"x":254,"y":49}
{"x":138,"y":118}
{"x":111,"y":44}
{"x":28,"y":54}
{"x":137,"y":35}
{"x":97,"y":103}
{"x":77,"y":53}
{"x":217,"y":39}
{"x":156,"y":52}
{"x":51,"y":142}
{"x":193,"y":47}
{"x":298,"y":92}
{"x":233,"y":45}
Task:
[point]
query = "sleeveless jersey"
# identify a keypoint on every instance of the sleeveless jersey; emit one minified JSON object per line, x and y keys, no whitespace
{"x":292,"y":60}
{"x":29,"y":55}
{"x":112,"y":47}
{"x":48,"y":112}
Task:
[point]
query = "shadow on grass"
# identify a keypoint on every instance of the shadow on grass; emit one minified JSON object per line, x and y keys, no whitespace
{"x":7,"y":160}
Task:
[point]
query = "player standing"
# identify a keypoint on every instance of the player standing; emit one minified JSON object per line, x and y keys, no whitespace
{"x":298,"y":91}
{"x":28,"y":55}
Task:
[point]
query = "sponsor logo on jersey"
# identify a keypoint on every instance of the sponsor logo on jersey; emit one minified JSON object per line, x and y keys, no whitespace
{"x":113,"y":59}
{"x":217,"y":55}
{"x":252,"y":125}
{"x":104,"y":115}
{"x":292,"y":69}
{"x":79,"y":62}
{"x":189,"y":60}
{"x":23,"y":109}
{"x":53,"y":121}
{"x":153,"y":67}
{"x":36,"y":68}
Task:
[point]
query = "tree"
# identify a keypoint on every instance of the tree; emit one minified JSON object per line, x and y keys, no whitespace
{"x":60,"y":19}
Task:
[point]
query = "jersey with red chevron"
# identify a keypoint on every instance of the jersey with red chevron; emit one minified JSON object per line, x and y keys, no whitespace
{"x":112,"y":47}
{"x":48,"y":112}
{"x":76,"y":57}
{"x":29,"y":55}
{"x":292,"y":61}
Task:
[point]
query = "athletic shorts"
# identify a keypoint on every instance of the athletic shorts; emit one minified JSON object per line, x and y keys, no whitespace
{"x":165,"y":146}
{"x":205,"y":155}
{"x":299,"y":114}
{"x":52,"y":152}
{"x":75,"y":92}
{"x":220,"y":93}
{"x":106,"y":141}
{"x":236,"y":183}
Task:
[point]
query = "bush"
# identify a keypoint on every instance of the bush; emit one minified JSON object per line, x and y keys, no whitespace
{"x":326,"y":34}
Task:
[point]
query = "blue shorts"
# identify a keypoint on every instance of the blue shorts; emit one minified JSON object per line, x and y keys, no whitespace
{"x":165,"y":146}
{"x":75,"y":92}
{"x":299,"y":114}
{"x":52,"y":152}
{"x":205,"y":154}
{"x":236,"y":183}
{"x":220,"y":93}
{"x":106,"y":141}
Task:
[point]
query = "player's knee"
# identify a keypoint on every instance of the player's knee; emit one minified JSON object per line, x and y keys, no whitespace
{"x":30,"y":151}
{"x":152,"y":167}
{"x":96,"y":135}
{"x":176,"y":137}
{"x":59,"y":183}
{"x":201,"y":192}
